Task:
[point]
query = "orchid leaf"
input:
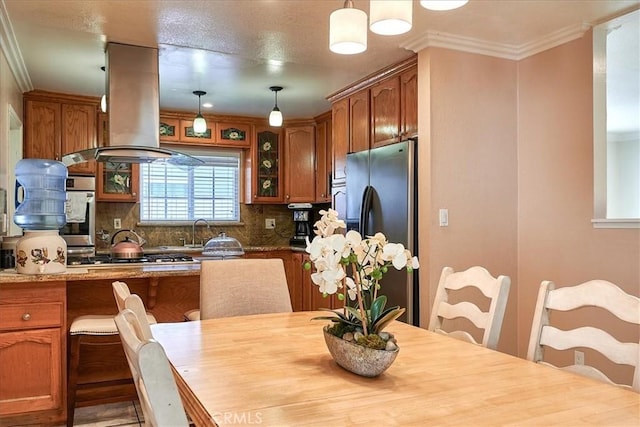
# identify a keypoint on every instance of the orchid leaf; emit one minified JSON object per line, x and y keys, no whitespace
{"x":377,"y":307}
{"x":387,"y":318}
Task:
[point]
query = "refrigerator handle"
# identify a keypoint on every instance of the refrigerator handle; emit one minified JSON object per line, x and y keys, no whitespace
{"x":364,"y":209}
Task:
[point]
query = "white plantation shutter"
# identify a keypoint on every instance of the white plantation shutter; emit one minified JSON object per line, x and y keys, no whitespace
{"x":209,"y":191}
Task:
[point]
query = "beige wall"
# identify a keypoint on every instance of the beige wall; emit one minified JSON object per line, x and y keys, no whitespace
{"x":508,"y":148}
{"x":468,"y":165}
{"x":555,"y":185}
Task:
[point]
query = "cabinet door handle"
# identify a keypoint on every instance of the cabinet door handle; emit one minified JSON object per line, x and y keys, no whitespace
{"x":26,"y":316}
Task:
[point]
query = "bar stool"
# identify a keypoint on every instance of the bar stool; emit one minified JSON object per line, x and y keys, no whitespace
{"x":90,"y":330}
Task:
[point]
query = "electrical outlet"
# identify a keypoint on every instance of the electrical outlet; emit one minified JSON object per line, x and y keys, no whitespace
{"x":578,"y":358}
{"x":117,"y":224}
{"x":270,"y":223}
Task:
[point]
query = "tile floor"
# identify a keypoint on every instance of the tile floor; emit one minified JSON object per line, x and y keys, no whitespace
{"x":121,"y":414}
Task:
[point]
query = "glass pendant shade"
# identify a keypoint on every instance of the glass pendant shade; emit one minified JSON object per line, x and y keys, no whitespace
{"x":275,"y":118}
{"x":199,"y":124}
{"x":103,"y":103}
{"x":390,"y":17}
{"x":348,"y":30}
{"x":442,"y":4}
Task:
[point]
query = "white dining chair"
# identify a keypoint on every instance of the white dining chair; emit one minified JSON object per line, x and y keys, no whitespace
{"x":151,"y":371}
{"x":93,"y":330}
{"x":496,"y":290}
{"x":594,"y":293}
{"x":243,"y":286}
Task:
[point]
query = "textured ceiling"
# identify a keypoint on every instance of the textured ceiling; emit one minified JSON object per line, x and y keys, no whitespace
{"x":234,"y":50}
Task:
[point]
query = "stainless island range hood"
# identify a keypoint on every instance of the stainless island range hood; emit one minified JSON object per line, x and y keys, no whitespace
{"x":134,"y":111}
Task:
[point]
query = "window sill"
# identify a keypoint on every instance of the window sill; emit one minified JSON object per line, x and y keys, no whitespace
{"x":616,"y":223}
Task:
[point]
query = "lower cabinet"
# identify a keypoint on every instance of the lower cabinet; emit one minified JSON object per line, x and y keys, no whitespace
{"x":32,"y":353}
{"x":312,"y":299}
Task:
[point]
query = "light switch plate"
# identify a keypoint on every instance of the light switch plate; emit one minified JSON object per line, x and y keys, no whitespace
{"x":444,"y":217}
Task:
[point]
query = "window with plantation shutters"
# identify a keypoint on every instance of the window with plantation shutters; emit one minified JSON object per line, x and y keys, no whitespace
{"x":178,"y":193}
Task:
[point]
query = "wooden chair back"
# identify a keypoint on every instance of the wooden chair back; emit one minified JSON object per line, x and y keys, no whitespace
{"x":495,"y":289}
{"x":151,"y":371}
{"x":594,"y":293}
{"x":243,"y":286}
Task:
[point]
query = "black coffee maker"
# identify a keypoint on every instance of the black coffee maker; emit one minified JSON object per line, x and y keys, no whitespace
{"x":302,"y":218}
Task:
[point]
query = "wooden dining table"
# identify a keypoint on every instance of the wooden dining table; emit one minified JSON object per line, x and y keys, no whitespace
{"x":275,"y":370}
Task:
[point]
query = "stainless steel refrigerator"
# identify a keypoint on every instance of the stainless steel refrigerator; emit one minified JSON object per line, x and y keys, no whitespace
{"x":382,"y":197}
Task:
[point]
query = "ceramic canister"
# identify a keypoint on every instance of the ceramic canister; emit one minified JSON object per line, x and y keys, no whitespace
{"x":41,"y":252}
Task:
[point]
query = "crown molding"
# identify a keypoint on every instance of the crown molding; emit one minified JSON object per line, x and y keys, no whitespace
{"x":500,"y":50}
{"x":11,"y":51}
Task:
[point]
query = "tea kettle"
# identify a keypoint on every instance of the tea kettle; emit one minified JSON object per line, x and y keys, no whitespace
{"x":127,"y":248}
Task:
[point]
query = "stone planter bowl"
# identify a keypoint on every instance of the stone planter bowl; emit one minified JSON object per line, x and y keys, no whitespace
{"x":355,"y":358}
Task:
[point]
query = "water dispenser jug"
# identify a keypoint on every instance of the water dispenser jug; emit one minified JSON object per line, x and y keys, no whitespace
{"x":44,"y":188}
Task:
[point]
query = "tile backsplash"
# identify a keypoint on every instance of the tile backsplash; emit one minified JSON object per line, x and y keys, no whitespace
{"x":250,"y":232}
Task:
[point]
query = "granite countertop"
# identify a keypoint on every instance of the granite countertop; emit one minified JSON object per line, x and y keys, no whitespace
{"x":197,"y":249}
{"x":123,"y":271}
{"x":98,"y":273}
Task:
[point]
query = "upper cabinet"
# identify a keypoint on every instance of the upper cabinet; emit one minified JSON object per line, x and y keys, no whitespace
{"x":324,"y":158}
{"x":409,"y":103}
{"x":385,"y":112}
{"x":339,"y":140}
{"x":299,"y":155}
{"x":359,"y":121}
{"x":221,"y":131}
{"x":263,"y":167}
{"x":55,"y":126}
{"x":118,"y":182}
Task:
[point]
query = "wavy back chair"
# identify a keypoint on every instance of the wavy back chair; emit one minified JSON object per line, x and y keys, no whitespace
{"x":243,"y":286}
{"x":594,"y":293}
{"x":495,"y":289}
{"x":152,"y":374}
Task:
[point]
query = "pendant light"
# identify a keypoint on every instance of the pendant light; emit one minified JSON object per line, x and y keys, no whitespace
{"x":348,"y":30}
{"x":103,"y":100}
{"x":390,"y":17}
{"x":199,"y":123}
{"x":442,"y":4}
{"x":275,"y":118}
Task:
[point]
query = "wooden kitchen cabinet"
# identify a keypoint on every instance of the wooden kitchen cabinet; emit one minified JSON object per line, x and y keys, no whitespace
{"x":339,"y":140}
{"x":409,"y":103}
{"x":385,"y":112}
{"x":299,"y":155}
{"x":324,"y":158}
{"x":339,"y":199}
{"x":265,"y":172}
{"x":312,"y":298}
{"x":32,"y":353}
{"x":54,"y":127}
{"x":118,"y":182}
{"x":359,"y":123}
{"x":175,"y":129}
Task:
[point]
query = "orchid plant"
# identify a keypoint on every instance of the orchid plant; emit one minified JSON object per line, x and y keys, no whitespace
{"x":351,"y":267}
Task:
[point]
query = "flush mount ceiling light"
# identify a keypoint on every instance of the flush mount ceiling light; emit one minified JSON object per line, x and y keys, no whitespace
{"x":348,"y":30}
{"x":442,"y":4}
{"x":275,"y":117}
{"x":199,"y":123}
{"x":103,"y":100}
{"x":390,"y":17}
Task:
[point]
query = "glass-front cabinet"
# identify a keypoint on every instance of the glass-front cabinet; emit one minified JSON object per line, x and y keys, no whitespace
{"x":117,"y":182}
{"x":267,"y":168}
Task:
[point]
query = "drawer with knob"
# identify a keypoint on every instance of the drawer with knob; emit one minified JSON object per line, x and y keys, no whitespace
{"x":30,"y":316}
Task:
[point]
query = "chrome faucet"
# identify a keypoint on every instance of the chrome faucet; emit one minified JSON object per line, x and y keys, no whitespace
{"x":193,"y":229}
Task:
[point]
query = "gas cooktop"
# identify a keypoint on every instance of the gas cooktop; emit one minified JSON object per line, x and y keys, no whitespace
{"x":107,"y":260}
